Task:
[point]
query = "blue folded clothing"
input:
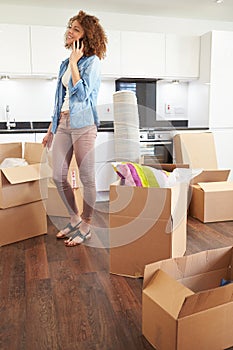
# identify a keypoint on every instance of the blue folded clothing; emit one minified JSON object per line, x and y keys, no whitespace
{"x":225,"y":282}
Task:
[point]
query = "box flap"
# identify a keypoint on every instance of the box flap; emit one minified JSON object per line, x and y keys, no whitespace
{"x":212,"y":176}
{"x":35,"y":152}
{"x":196,"y":149}
{"x":191,"y":265}
{"x":167,"y":292}
{"x":27,"y":173}
{"x":206,"y":300}
{"x":216,"y":186}
{"x":10,"y":150}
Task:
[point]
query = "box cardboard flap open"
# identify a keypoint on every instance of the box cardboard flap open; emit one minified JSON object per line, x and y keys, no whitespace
{"x":196,"y":149}
{"x":215,"y":186}
{"x":206,"y":300}
{"x":10,"y":150}
{"x":34,"y":152}
{"x":159,"y":288}
{"x":188,"y":266}
{"x":16,"y":175}
{"x":211,"y":176}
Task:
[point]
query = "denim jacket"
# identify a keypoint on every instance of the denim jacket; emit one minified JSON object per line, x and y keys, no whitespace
{"x":82,"y":96}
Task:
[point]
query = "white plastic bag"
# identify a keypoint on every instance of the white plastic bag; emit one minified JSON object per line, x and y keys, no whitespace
{"x":13,"y":162}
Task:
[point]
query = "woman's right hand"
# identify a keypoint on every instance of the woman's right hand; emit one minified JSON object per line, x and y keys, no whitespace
{"x":48,"y":139}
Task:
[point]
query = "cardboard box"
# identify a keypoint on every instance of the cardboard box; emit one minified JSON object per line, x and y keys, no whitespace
{"x":195,"y":149}
{"x":22,"y":222}
{"x":146,"y":225}
{"x":210,"y":192}
{"x":23,"y":184}
{"x":54,"y":204}
{"x":212,"y":201}
{"x":183,"y":305}
{"x":56,"y":207}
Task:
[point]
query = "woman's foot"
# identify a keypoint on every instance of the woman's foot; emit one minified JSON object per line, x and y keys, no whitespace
{"x":79,"y":236}
{"x":68,"y":229}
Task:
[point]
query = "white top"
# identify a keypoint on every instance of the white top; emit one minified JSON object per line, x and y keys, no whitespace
{"x":65,"y":81}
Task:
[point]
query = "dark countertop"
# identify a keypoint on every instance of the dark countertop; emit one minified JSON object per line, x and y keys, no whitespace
{"x":105,"y":126}
{"x":24,"y":127}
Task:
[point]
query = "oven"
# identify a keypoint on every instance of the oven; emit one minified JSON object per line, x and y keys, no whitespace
{"x":156,"y":146}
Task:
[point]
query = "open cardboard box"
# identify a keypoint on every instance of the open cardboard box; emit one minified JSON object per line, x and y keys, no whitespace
{"x":23,"y":190}
{"x":145,"y":225}
{"x":183,"y":305}
{"x":23,"y":184}
{"x":211,"y":194}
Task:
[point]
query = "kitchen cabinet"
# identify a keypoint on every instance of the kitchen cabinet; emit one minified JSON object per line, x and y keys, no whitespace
{"x":47,"y":49}
{"x":13,"y":137}
{"x":39,"y":136}
{"x":216,"y":70}
{"x":182,"y":56}
{"x":15,"y":49}
{"x":104,"y":155}
{"x":142,"y":54}
{"x":223,"y":139}
{"x":111,"y":65}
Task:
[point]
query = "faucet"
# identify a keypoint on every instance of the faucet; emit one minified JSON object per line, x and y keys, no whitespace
{"x":9,"y":124}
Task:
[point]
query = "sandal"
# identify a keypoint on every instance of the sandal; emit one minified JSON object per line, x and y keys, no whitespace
{"x":71,"y":243}
{"x":69,"y":233}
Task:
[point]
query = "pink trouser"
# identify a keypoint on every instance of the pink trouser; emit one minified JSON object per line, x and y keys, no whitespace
{"x":81,"y":142}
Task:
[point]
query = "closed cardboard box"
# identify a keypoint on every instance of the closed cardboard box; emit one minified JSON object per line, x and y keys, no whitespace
{"x":22,"y":222}
{"x":184,"y":306}
{"x":146,"y":225}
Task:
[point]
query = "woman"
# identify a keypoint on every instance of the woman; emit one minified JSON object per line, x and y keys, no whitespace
{"x":75,"y":121}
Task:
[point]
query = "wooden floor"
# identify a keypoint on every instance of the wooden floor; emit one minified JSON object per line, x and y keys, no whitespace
{"x":58,"y":298}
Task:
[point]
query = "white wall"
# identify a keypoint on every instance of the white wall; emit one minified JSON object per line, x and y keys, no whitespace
{"x":29,"y":99}
{"x":176,"y":95}
{"x":33,"y":99}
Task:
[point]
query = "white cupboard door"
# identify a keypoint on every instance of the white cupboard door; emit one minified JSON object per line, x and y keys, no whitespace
{"x":39,"y":137}
{"x":182,"y":56}
{"x":111,"y":65}
{"x":104,"y":147}
{"x":223,"y":139}
{"x":105,"y":176}
{"x":142,"y":54}
{"x":205,"y":58}
{"x":15,"y":49}
{"x":5,"y":138}
{"x":47,"y":49}
{"x":221,"y":95}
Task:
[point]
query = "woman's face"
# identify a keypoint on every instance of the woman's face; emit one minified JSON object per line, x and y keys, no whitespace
{"x":74,"y":32}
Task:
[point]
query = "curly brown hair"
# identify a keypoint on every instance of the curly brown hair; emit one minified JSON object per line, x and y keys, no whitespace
{"x":95,"y":39}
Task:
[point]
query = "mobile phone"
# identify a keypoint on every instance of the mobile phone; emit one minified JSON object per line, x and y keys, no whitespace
{"x":78,"y":43}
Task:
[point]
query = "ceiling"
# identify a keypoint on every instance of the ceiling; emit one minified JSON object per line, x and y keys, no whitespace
{"x":194,"y":9}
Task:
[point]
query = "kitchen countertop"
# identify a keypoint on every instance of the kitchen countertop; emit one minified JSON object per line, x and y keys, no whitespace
{"x":105,"y":126}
